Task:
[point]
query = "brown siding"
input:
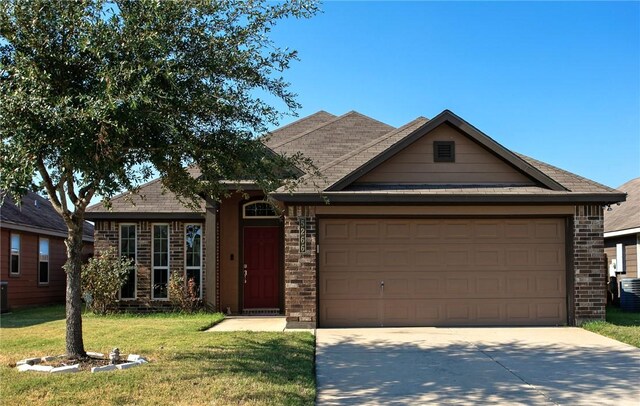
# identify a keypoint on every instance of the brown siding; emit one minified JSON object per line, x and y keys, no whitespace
{"x":631,"y":254}
{"x":24,"y":289}
{"x":473,"y":164}
{"x":229,"y":253}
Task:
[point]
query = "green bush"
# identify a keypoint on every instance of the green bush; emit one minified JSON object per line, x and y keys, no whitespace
{"x":102,"y":278}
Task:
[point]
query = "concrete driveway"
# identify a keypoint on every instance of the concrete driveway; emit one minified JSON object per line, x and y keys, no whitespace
{"x":529,"y":366}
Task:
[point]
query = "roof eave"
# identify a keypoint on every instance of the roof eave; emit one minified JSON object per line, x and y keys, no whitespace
{"x":620,"y":233}
{"x":93,"y":216}
{"x":390,"y":198}
{"x":40,"y":230}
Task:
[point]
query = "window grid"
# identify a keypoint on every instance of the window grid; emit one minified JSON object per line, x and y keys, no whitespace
{"x":15,"y":255}
{"x":128,"y":250}
{"x":43,"y":261}
{"x":259,"y":209}
{"x":193,"y":255}
{"x":160,"y":265}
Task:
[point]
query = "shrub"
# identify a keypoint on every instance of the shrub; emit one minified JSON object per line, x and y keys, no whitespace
{"x":102,"y":278}
{"x":184,"y":296}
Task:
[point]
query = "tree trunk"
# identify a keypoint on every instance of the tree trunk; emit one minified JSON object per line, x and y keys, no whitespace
{"x":73,"y":267}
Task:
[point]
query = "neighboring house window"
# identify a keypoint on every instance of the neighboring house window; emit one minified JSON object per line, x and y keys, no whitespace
{"x":193,"y":255}
{"x":160,"y":278}
{"x":128,"y":250}
{"x":15,"y":254}
{"x":43,"y":262}
{"x":259,"y":209}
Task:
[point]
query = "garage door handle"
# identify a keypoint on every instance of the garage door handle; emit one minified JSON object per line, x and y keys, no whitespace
{"x":382,"y":286}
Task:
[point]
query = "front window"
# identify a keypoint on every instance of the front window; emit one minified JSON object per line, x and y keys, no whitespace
{"x":160,"y":261}
{"x":15,"y":254}
{"x":259,"y":209}
{"x":43,"y":262}
{"x":128,"y":250}
{"x":193,"y":256}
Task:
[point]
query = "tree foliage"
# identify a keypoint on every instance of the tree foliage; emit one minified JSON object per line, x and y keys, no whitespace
{"x":97,"y":96}
{"x":102,"y":278}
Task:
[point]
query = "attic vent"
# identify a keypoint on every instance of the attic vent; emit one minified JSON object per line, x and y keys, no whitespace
{"x":444,"y":151}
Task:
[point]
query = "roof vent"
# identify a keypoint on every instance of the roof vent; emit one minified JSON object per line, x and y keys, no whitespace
{"x":444,"y":151}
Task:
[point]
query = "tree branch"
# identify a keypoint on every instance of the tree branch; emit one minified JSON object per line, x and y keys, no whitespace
{"x":71,"y":191}
{"x":48,"y":184}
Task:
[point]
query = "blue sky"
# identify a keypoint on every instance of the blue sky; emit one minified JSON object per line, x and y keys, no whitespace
{"x":556,"y":81}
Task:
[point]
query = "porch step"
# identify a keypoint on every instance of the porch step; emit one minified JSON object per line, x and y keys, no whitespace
{"x":261,"y":312}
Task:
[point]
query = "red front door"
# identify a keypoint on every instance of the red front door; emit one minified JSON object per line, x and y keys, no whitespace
{"x":261,"y":262}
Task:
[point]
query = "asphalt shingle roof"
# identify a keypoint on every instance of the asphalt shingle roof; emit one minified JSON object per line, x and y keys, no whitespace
{"x":303,"y":125}
{"x":340,"y":146}
{"x":627,"y":215}
{"x":332,"y":139}
{"x":151,"y":198}
{"x":37,"y":212}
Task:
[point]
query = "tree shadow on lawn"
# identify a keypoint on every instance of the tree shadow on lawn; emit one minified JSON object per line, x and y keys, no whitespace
{"x":513,"y":372}
{"x":32,"y":316}
{"x":271,"y":360}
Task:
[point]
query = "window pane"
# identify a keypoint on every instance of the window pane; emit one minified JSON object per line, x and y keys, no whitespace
{"x":44,"y":249}
{"x":43,"y":274}
{"x":259,"y":209}
{"x":15,"y":264}
{"x":195,"y":275}
{"x":44,"y":246}
{"x":160,"y":280}
{"x":15,"y":243}
{"x":193,"y":237}
{"x":160,"y":245}
{"x":128,"y":241}
{"x":128,"y":290}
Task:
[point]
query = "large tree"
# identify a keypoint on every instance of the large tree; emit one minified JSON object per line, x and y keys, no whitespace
{"x":97,"y":96}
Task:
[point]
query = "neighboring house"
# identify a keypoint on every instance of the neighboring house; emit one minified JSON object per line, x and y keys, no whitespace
{"x":622,"y":234}
{"x":33,"y":252}
{"x":430,"y":224}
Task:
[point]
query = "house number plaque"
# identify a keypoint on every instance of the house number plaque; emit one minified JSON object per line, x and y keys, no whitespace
{"x":302,"y":223}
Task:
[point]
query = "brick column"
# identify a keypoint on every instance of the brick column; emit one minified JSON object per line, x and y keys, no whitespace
{"x":588,"y":261}
{"x":300,"y":268}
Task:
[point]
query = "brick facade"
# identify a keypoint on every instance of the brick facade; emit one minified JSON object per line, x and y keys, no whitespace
{"x":300,"y":268}
{"x":587,"y":298}
{"x":589,"y":289}
{"x":107,"y":235}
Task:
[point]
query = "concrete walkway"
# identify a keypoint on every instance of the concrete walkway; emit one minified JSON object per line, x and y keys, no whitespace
{"x":251,"y":323}
{"x":256,"y":323}
{"x":528,"y":366}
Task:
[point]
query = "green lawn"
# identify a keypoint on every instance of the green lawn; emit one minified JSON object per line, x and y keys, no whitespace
{"x":188,"y":366}
{"x":621,"y":326}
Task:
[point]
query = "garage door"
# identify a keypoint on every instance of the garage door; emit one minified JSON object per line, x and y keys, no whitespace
{"x":441,"y":272}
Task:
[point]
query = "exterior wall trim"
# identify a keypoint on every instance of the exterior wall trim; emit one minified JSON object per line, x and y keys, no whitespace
{"x":622,"y":232}
{"x":38,"y":230}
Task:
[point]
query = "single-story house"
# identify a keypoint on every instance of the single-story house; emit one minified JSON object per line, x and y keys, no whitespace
{"x":622,"y":234}
{"x":433,"y":223}
{"x":33,"y":252}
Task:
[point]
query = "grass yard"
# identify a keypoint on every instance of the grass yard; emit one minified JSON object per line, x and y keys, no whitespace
{"x":621,"y":326}
{"x":188,"y":366}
